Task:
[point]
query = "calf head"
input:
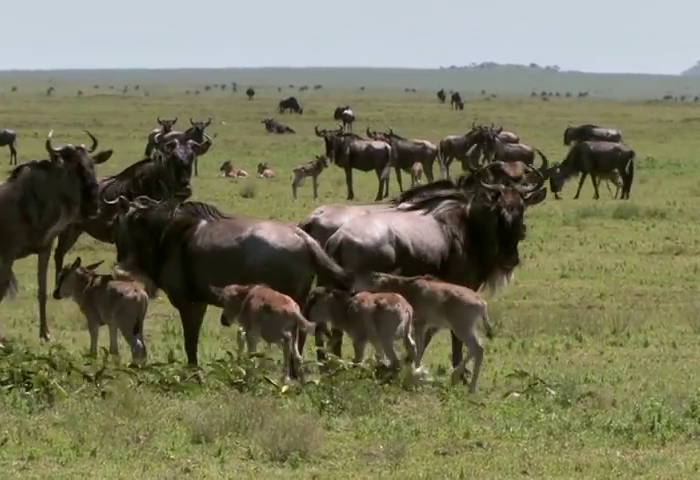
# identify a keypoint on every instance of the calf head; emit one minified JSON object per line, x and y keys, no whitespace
{"x":262,"y":166}
{"x":67,"y":280}
{"x":78,"y":165}
{"x":226,"y":167}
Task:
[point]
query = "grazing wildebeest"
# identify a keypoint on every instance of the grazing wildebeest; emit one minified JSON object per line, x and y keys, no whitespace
{"x":290,"y":104}
{"x":323,"y":221}
{"x":496,"y":149}
{"x":441,"y":95}
{"x":346,"y":115}
{"x":405,"y":152}
{"x":456,"y":100}
{"x":349,"y":151}
{"x":464,"y":236}
{"x":106,"y":300}
{"x":227,"y":170}
{"x":591,"y":132}
{"x":250,"y":92}
{"x":460,"y":147}
{"x":164,"y":178}
{"x":262,"y":312}
{"x":265,"y":171}
{"x":594,"y":158}
{"x":309,"y":169}
{"x":274,"y":126}
{"x":195,"y":132}
{"x":166,"y":126}
{"x":8,"y":138}
{"x":184,"y":249}
{"x":39,"y":200}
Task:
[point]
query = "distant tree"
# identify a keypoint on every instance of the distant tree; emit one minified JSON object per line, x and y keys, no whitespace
{"x":693,"y":71}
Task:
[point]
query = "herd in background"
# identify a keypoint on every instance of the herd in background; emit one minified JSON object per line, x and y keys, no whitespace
{"x":400,"y":268}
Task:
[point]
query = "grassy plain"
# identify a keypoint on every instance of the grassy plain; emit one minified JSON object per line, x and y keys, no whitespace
{"x":594,"y":371}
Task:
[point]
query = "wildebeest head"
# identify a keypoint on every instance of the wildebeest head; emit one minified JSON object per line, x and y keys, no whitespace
{"x":68,"y":277}
{"x":556,"y":178}
{"x":338,"y":113}
{"x":167,"y":124}
{"x":79,"y":163}
{"x":179,"y":155}
{"x":197,"y":130}
{"x":329,"y":139}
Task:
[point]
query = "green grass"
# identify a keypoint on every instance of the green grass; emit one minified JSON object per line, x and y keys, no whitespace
{"x":594,"y":370}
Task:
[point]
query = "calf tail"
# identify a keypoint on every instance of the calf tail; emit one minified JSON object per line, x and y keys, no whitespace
{"x":325,"y":265}
{"x":487,"y":324}
{"x":304,"y":325}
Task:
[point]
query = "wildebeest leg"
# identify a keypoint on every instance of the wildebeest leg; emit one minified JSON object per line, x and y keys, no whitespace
{"x":13,"y":154}
{"x":42,"y":272}
{"x":397,"y":169}
{"x":348,"y":183}
{"x":191,"y":315}
{"x":314,"y":184}
{"x":196,"y":171}
{"x":428,"y":169}
{"x":66,"y":240}
{"x":580,"y":184}
{"x":336,"y":342}
{"x":113,"y":339}
{"x":595,"y":181}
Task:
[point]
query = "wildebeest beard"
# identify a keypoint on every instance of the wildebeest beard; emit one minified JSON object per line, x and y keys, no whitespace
{"x":89,"y":194}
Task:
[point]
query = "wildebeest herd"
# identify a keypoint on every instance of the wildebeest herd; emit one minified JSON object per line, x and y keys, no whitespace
{"x":402,"y":268}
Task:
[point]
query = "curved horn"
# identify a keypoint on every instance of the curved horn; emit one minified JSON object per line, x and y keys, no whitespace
{"x":94,"y":142}
{"x":391,"y":130}
{"x":208,"y":122}
{"x":160,"y":122}
{"x":474,"y":124}
{"x":191,"y":122}
{"x":369,"y":132}
{"x":545,"y":161}
{"x":319,"y":133}
{"x":524,"y":190}
{"x":492,"y":186}
{"x":175,"y":121}
{"x":49,"y":145}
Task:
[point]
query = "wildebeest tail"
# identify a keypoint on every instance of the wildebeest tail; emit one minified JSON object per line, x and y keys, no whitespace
{"x":630,"y":172}
{"x":304,"y":325}
{"x":325,"y":265}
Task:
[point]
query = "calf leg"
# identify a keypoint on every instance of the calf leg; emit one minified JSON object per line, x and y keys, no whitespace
{"x":113,"y":339}
{"x":135,"y":343}
{"x":42,"y":272}
{"x":94,"y":330}
{"x":314,"y":184}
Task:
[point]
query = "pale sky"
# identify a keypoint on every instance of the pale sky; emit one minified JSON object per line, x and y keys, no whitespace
{"x":588,"y":35}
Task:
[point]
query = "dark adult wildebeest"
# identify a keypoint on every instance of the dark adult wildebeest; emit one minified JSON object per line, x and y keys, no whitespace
{"x":164,"y":178}
{"x":441,"y":95}
{"x":250,"y":92}
{"x":8,"y":138}
{"x":456,"y":101}
{"x":185,"y":249}
{"x":405,"y":152}
{"x":464,"y":236}
{"x":39,"y":200}
{"x":346,"y":115}
{"x":166,"y":126}
{"x":594,"y":158}
{"x":274,"y":126}
{"x":195,"y":132}
{"x":496,"y":149}
{"x":591,"y":132}
{"x":462,"y":148}
{"x":349,"y":151}
{"x":290,"y":104}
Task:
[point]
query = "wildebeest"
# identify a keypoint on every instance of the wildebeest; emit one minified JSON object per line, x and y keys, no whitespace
{"x":250,"y":92}
{"x":227,"y":170}
{"x":274,"y":126}
{"x":593,"y":158}
{"x":376,"y":318}
{"x":346,"y":115}
{"x":591,"y":132}
{"x":290,"y":104}
{"x":265,"y":171}
{"x":8,"y":138}
{"x":106,"y":300}
{"x":309,"y":169}
{"x":195,"y":132}
{"x":437,"y":305}
{"x":496,"y":149}
{"x":441,"y":95}
{"x":456,"y":101}
{"x":323,"y":221}
{"x":460,"y":147}
{"x":405,"y":152}
{"x":39,"y":200}
{"x":184,"y":249}
{"x":264,"y":313}
{"x":467,"y":237}
{"x":349,"y":151}
{"x":166,"y":126}
{"x":163,"y":178}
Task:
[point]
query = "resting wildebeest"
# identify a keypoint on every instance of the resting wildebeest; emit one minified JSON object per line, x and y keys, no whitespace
{"x":456,"y":101}
{"x":290,"y":104}
{"x":441,"y":95}
{"x":195,"y":132}
{"x":184,"y":249}
{"x":349,"y":151}
{"x":274,"y":126}
{"x":9,"y":138}
{"x":164,"y":178}
{"x":591,"y":132}
{"x":460,"y":147}
{"x":39,"y":200}
{"x":345,"y":115}
{"x":250,"y":92}
{"x":594,"y":158}
{"x":464,"y":236}
{"x":166,"y":126}
{"x":405,"y":152}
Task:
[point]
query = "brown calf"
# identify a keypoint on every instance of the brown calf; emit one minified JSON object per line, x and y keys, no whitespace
{"x":310,"y":169}
{"x":436,"y":305}
{"x":264,"y":170}
{"x":263,"y":313}
{"x":416,"y":174}
{"x":227,"y":170}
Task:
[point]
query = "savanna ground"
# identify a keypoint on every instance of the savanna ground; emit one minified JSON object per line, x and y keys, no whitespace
{"x":593,"y":371}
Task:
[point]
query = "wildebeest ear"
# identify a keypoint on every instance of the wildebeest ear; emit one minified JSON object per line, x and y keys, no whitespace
{"x":535,"y":197}
{"x":76,"y":263}
{"x":102,"y":156}
{"x":93,"y":266}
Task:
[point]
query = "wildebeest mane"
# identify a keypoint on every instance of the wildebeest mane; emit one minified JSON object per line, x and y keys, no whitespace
{"x":146,"y":175}
{"x":45,"y":165}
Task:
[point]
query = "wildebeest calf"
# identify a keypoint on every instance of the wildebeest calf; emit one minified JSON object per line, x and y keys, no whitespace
{"x":227,"y":170}
{"x":416,"y":174}
{"x":263,"y":313}
{"x":378,"y":318}
{"x":264,"y":170}
{"x":110,"y":300}
{"x":436,"y":305}
{"x":310,"y":169}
